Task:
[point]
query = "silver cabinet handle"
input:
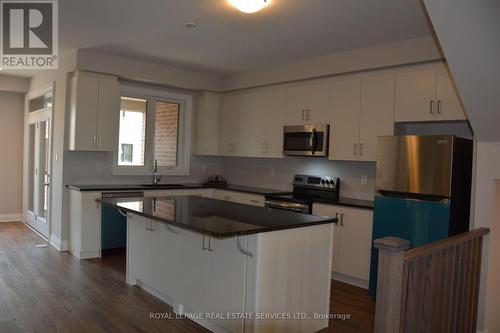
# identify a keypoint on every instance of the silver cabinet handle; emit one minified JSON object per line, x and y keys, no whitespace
{"x":308,"y":114}
{"x":439,"y":107}
{"x":336,"y":216}
{"x":147,"y":225}
{"x":210,"y":249}
{"x":303,"y":117}
{"x":203,"y":247}
{"x":95,"y":140}
{"x":342,"y":219}
{"x":151,"y":225}
{"x":241,"y":249}
{"x":431,"y":108}
{"x":100,"y":141}
{"x":355,"y":149}
{"x":360,"y":149}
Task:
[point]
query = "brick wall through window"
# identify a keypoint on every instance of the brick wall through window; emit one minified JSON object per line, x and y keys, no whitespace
{"x":166,"y":133}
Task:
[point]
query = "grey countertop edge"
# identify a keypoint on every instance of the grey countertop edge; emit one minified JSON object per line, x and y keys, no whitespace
{"x":325,"y":220}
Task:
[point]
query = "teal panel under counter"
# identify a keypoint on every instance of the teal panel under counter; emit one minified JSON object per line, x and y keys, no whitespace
{"x":421,"y":222}
{"x":113,"y":229}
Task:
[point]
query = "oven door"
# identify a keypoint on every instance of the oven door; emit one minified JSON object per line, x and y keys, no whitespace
{"x":308,"y":140}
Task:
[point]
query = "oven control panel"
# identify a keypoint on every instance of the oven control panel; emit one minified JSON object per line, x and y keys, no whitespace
{"x":316,"y":182}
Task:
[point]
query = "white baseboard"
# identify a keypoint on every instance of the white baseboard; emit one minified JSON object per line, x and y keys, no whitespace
{"x":58,"y":244}
{"x":350,"y":280}
{"x":11,"y":217}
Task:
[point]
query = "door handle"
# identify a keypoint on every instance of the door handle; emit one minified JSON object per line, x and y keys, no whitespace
{"x":336,"y":216}
{"x":100,"y":141}
{"x":342,"y":219}
{"x":210,"y":249}
{"x":360,"y":149}
{"x":308,"y":114}
{"x":431,"y":108}
{"x":303,"y":112}
{"x":439,"y":107}
{"x":95,"y":140}
{"x":203,"y":247}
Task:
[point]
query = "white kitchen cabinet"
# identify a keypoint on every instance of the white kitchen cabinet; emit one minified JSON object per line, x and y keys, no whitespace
{"x":234,"y":126}
{"x":207,"y":124}
{"x":84,"y":224}
{"x":352,"y":240}
{"x":377,"y":112}
{"x":426,"y":93}
{"x":239,"y":197}
{"x":267,"y":119}
{"x":308,"y":103}
{"x":362,"y":109}
{"x":139,"y":249}
{"x":94,"y":112}
{"x":203,"y":192}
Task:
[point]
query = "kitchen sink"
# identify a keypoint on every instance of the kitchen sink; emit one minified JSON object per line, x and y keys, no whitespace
{"x":163,"y":186}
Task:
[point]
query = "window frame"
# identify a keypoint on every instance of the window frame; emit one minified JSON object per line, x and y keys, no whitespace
{"x":152,"y":95}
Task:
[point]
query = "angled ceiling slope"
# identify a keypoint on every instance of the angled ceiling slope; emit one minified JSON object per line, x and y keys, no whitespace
{"x":468,"y":32}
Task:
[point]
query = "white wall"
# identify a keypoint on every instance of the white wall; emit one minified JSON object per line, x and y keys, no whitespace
{"x":11,"y":151}
{"x":14,"y":83}
{"x":278,"y":173}
{"x":385,"y":55}
{"x":487,"y":173}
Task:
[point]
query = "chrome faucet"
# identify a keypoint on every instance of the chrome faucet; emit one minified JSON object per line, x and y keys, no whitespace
{"x":156,"y":176}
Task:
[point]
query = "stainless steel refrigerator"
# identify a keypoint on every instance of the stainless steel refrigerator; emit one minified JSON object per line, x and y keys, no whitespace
{"x":423,"y":190}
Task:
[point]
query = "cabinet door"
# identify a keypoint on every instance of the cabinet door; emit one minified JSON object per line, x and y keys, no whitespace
{"x":297,"y":101}
{"x":355,"y":242}
{"x":212,"y":107}
{"x":318,"y":103}
{"x":165,"y":259}
{"x":109,"y":114}
{"x":226,"y":281}
{"x":449,"y":106}
{"x":331,"y":211}
{"x":345,"y":112}
{"x":415,"y":94}
{"x":200,"y":146}
{"x":229,"y":124}
{"x":193,"y":271}
{"x":254,"y":105}
{"x":275,"y":120}
{"x":83,"y":117}
{"x":247,"y":198}
{"x":139,"y":249}
{"x":377,"y":112}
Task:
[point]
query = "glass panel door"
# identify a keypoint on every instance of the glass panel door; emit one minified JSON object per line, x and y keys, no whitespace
{"x":38,"y":171}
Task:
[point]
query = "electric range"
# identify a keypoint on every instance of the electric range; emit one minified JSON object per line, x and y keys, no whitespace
{"x":306,"y":190}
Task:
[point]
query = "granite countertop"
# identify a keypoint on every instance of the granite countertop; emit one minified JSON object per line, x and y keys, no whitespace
{"x":138,"y":187}
{"x":215,"y":218}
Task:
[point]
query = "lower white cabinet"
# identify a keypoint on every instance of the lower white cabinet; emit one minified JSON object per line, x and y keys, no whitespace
{"x":84,"y":224}
{"x":198,"y":274}
{"x":352,"y":237}
{"x":239,"y":197}
{"x":202,"y":192}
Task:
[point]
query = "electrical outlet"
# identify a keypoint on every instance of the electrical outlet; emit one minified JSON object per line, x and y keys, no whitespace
{"x":364,"y":180}
{"x":100,"y":167}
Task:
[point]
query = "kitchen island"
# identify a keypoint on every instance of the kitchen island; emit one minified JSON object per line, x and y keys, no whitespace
{"x":230,"y":267}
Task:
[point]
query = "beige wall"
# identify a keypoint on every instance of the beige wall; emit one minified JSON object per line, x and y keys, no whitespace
{"x":11,"y":150}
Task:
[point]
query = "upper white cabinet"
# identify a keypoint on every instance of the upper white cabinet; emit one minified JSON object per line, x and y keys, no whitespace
{"x":94,"y":112}
{"x":251,"y":123}
{"x":426,"y":93}
{"x":308,"y":103}
{"x":207,"y":124}
{"x":362,"y":108}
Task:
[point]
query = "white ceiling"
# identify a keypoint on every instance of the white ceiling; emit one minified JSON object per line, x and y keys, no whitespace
{"x":227,"y":41}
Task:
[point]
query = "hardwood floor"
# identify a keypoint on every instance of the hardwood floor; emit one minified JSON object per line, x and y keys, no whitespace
{"x":42,"y":290}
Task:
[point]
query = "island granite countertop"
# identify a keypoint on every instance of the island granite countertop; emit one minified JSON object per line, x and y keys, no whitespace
{"x":215,"y":218}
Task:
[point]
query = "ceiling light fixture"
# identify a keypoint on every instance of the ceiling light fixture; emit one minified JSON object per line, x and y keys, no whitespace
{"x":249,"y":6}
{"x":190,"y":25}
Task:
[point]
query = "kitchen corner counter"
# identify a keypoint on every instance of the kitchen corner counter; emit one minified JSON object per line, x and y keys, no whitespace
{"x":215,"y":218}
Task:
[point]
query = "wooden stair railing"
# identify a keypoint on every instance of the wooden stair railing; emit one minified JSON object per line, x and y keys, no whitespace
{"x":432,"y":288}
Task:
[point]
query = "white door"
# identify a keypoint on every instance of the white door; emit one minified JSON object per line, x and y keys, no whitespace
{"x":415,"y":94}
{"x":355,"y":242}
{"x":377,"y":112}
{"x":275,"y":120}
{"x":38,"y":171}
{"x":449,"y":106}
{"x":345,"y":112}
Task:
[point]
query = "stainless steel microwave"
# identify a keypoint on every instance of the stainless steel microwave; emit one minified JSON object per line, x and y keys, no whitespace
{"x":306,"y":140}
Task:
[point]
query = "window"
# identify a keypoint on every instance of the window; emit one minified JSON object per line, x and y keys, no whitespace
{"x":154,"y":125}
{"x":132,"y":136}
